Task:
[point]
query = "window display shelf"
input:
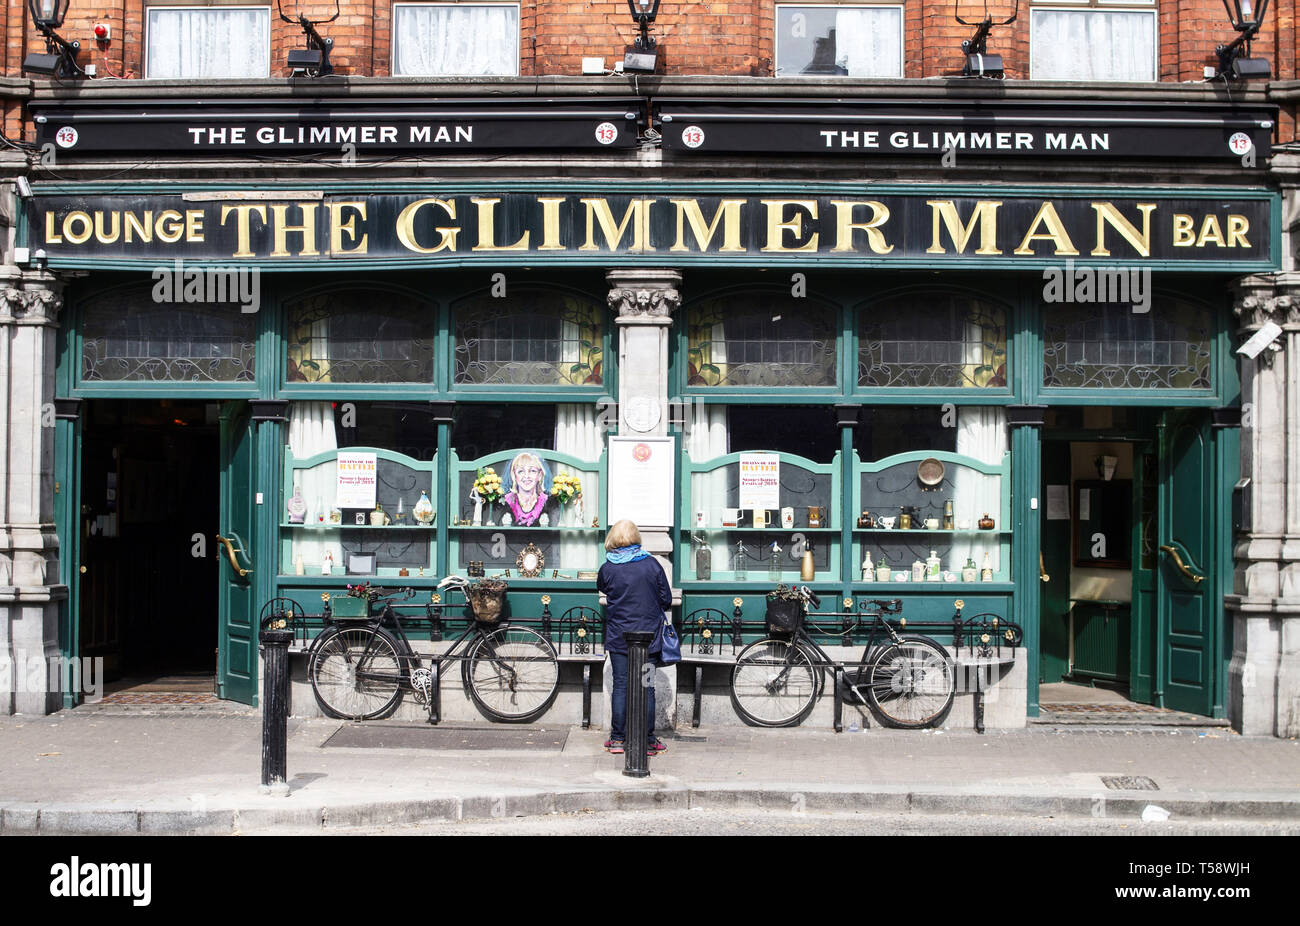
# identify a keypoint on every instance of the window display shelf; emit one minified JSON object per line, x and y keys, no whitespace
{"x":360,"y":527}
{"x":896,"y":532}
{"x":762,"y":530}
{"x":515,"y":528}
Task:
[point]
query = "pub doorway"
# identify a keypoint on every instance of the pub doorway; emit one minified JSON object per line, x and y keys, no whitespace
{"x":1131,"y":563}
{"x":150,"y":493}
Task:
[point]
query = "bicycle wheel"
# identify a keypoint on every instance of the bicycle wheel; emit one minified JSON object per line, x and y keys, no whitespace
{"x":774,"y":684}
{"x":512,"y":674}
{"x":356,"y":673}
{"x":911,"y":684}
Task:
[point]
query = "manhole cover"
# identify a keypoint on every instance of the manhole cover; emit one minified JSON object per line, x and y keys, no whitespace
{"x":382,"y":736}
{"x":1129,"y":783}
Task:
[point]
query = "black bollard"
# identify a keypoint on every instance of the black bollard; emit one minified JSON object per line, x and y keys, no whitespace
{"x":275,"y":705}
{"x":636,"y":764}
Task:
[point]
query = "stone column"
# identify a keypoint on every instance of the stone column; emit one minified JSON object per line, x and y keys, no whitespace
{"x":29,"y":546}
{"x":643,"y":302}
{"x":1264,"y":673}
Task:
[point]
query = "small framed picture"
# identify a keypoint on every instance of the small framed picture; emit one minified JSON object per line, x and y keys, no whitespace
{"x":361,"y":564}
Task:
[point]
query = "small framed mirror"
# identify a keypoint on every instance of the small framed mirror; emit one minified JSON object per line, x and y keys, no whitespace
{"x":530,"y":561}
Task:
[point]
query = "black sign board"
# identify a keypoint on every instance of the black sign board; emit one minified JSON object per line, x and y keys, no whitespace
{"x":968,"y":128}
{"x":339,"y":127}
{"x":769,"y":224}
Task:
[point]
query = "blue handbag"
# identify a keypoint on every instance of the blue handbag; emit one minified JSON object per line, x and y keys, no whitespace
{"x":670,"y":645}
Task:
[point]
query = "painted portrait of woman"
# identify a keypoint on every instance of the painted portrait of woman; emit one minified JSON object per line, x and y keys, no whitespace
{"x":528,"y":495}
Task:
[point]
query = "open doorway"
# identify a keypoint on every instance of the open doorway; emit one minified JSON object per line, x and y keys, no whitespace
{"x":150,"y":494}
{"x":1130,"y":548}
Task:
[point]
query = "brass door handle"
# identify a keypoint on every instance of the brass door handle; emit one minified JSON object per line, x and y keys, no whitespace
{"x":230,"y":552}
{"x":1182,"y":567}
{"x":1041,"y":573}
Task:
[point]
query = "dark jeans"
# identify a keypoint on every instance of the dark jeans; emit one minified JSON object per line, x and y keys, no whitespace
{"x":618,"y":698}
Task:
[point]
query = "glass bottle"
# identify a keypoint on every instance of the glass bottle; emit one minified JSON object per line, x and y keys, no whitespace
{"x":740,"y":568}
{"x":703,"y":559}
{"x":401,"y":509}
{"x":986,"y":569}
{"x":918,"y":571}
{"x":882,"y":570}
{"x":933,"y":568}
{"x":774,"y":563}
{"x":970,"y":572}
{"x":868,"y":568}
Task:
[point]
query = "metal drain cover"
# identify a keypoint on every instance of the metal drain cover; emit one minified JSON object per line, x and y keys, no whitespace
{"x":384,"y":736}
{"x":1129,"y":783}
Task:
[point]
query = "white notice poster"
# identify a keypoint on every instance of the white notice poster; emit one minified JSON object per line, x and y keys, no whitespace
{"x":760,"y":480}
{"x":358,"y":475}
{"x":641,"y":475}
{"x":1058,"y":503}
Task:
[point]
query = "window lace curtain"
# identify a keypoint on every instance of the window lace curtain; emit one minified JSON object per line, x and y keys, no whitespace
{"x":1093,"y":45}
{"x":706,"y":438}
{"x":311,"y":431}
{"x":209,"y":42}
{"x":578,"y":433}
{"x":982,"y":434}
{"x":868,"y":42}
{"x":456,"y":40}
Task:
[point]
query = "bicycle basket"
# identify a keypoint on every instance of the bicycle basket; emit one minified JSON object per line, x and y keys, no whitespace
{"x":784,"y":616}
{"x":486,"y":603}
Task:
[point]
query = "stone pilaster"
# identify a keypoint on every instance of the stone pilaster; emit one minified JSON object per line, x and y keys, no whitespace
{"x":1264,"y":672}
{"x":643,"y":302}
{"x":29,"y":546}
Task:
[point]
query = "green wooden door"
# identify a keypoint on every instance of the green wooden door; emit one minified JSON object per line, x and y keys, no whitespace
{"x":1146,"y":553}
{"x":1186,"y":612}
{"x":1054,"y":609}
{"x":237,"y":645}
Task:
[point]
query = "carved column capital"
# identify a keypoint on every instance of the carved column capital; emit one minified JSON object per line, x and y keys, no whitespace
{"x":644,"y":294}
{"x":31,"y":305}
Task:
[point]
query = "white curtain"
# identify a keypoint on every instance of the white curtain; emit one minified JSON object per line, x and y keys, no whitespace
{"x":1093,"y":45}
{"x":456,"y":40}
{"x":706,"y":438}
{"x":311,"y":431}
{"x":578,"y":433}
{"x":868,"y":41}
{"x":982,"y":434}
{"x":209,"y":42}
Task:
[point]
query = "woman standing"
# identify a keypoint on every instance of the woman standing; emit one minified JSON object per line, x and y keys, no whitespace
{"x":637,"y":595}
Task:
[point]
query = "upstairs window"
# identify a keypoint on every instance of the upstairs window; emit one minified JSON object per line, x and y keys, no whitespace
{"x":1093,"y":41}
{"x":208,"y":42}
{"x":455,"y":40}
{"x":849,"y":41}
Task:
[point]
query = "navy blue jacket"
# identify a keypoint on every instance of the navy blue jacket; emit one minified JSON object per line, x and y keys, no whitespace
{"x":638,"y":595}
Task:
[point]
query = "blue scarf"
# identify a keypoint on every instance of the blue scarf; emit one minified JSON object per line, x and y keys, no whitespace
{"x":626,"y":554}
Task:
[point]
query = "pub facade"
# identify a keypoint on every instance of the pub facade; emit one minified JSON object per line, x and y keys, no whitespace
{"x":921,"y":339}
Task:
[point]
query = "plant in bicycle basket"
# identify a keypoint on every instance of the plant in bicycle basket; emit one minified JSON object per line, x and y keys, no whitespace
{"x":365,"y":590}
{"x":785,"y":609}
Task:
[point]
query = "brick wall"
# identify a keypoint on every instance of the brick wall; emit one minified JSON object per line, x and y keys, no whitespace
{"x":699,"y":37}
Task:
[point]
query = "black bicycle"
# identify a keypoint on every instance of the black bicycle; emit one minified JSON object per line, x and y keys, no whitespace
{"x":360,"y":669}
{"x":906,"y":680}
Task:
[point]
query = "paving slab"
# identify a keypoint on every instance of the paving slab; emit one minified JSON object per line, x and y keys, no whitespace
{"x":198,"y":772}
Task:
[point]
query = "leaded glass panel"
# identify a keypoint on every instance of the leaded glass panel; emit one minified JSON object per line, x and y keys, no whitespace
{"x":1113,"y":347}
{"x":761,"y":339}
{"x":128,"y":337}
{"x":530,"y":338}
{"x":933,"y":340}
{"x":360,"y":336}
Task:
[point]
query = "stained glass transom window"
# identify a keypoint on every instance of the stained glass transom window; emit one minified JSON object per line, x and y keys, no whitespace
{"x":536,"y":338}
{"x":360,"y":336}
{"x":761,"y":339}
{"x":1114,"y":347}
{"x":128,"y":337}
{"x":921,"y":340}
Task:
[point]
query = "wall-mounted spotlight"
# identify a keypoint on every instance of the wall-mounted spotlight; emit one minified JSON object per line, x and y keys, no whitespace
{"x":314,"y":60}
{"x":60,"y":56}
{"x":642,"y":56}
{"x":1234,"y":58}
{"x":976,"y":60}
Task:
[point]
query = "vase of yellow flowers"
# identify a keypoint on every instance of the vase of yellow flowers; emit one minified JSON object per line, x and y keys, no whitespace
{"x":487,"y":486}
{"x":567,"y":488}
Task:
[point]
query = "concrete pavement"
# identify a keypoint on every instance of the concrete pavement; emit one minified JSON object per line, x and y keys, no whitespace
{"x":196,"y":771}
